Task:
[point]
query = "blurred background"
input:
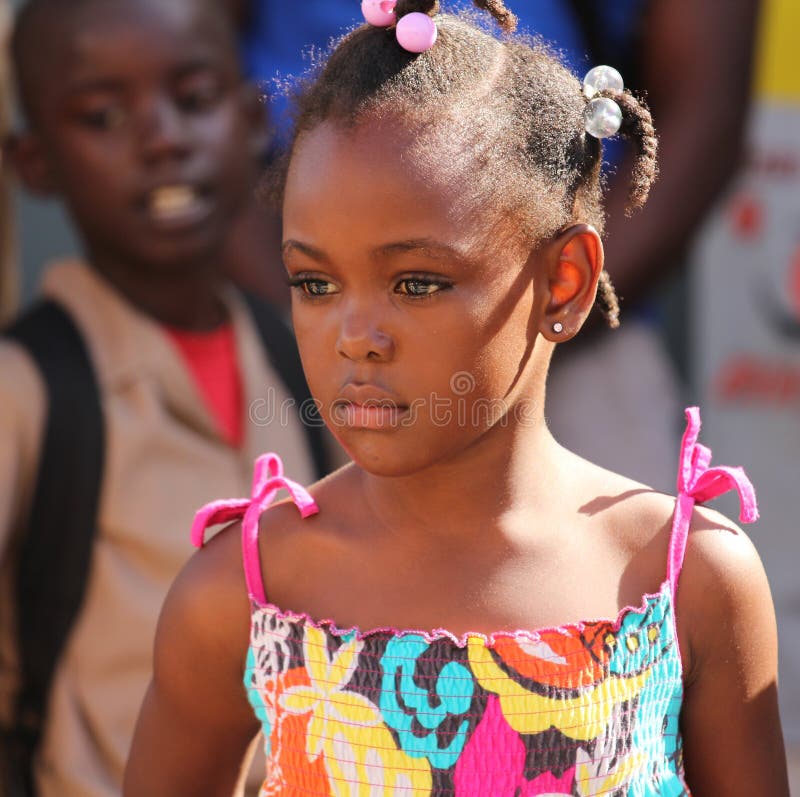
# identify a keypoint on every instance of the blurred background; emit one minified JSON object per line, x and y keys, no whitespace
{"x":725,"y":312}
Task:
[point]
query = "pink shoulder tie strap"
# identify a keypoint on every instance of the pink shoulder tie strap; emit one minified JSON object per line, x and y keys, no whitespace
{"x":268,"y":478}
{"x":698,"y":483}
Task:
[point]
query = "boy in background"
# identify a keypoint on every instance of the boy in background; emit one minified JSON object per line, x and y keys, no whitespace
{"x":7,"y":273}
{"x":138,"y":118}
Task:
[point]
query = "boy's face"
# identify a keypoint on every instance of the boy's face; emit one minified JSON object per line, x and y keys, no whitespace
{"x":142,"y":124}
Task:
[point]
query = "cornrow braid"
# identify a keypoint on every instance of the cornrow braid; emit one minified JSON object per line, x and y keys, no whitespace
{"x":637,"y":128}
{"x":497,"y":8}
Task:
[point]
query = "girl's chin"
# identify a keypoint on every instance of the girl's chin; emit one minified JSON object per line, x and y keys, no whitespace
{"x":387,"y":458}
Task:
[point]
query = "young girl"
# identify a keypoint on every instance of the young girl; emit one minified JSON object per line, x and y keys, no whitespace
{"x":441,"y":203}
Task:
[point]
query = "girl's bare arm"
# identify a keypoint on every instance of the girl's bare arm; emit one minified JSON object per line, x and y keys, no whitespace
{"x":195,"y":723}
{"x":730,"y":721}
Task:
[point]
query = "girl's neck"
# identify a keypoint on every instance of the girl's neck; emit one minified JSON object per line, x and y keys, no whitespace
{"x":509,"y":471}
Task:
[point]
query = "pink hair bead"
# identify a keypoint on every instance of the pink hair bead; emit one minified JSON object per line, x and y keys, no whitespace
{"x":416,"y":32}
{"x":379,"y":12}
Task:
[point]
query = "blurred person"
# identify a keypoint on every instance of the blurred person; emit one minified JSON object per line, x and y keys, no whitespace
{"x":8,"y":283}
{"x":140,"y":385}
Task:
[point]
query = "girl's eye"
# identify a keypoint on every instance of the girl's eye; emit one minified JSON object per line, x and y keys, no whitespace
{"x":313,"y":287}
{"x":417,"y":287}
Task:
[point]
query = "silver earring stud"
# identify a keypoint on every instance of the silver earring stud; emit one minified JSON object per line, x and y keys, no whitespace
{"x":558,"y":327}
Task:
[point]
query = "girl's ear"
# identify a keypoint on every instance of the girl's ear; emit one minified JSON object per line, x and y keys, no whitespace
{"x":572,"y":266}
{"x":25,"y":154}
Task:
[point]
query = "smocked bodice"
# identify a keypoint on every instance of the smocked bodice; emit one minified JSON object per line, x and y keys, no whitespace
{"x":585,"y":709}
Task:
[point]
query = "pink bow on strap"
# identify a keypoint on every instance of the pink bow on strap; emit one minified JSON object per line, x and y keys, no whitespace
{"x":268,"y":478}
{"x":701,"y":483}
{"x":697,"y":483}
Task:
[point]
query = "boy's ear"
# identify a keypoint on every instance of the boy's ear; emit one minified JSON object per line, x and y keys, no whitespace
{"x":26,"y":155}
{"x":573,"y":262}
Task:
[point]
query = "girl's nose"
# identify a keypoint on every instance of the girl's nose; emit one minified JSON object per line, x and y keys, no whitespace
{"x":361,"y":338}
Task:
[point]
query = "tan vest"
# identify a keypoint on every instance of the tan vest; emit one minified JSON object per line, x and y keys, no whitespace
{"x":164,"y":458}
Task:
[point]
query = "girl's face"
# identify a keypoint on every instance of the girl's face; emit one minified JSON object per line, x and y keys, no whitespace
{"x":415,"y":332}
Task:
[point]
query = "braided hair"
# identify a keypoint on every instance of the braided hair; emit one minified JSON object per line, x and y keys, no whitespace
{"x":505,"y":109}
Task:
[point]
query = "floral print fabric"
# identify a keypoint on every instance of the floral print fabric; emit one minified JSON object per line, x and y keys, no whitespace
{"x":579,"y":710}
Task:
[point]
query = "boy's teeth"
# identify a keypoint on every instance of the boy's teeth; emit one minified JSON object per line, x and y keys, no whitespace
{"x":172,"y":199}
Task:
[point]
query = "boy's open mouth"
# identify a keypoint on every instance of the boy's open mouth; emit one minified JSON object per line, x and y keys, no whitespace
{"x":178,"y":204}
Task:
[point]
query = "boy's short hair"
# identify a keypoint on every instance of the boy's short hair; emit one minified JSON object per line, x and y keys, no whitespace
{"x":30,"y":49}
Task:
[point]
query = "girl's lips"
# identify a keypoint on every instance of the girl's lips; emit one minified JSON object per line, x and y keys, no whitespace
{"x":367,"y":406}
{"x":366,"y":394}
{"x":376,"y":415}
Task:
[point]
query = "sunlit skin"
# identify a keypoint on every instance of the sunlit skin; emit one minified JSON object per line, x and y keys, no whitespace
{"x":471,"y":527}
{"x":394,"y":302}
{"x":141,"y":123}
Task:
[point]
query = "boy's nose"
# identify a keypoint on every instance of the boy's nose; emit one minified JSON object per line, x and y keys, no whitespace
{"x":361,"y":338}
{"x":163,"y":132}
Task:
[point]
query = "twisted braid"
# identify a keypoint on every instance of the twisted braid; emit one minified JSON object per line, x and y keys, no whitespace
{"x":497,"y":8}
{"x":607,"y":300}
{"x":637,"y":127}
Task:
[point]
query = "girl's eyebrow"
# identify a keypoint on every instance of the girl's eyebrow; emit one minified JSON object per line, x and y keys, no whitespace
{"x":291,"y":245}
{"x":428,"y":247}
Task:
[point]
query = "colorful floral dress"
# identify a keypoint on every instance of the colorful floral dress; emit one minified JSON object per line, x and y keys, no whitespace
{"x":590,"y":708}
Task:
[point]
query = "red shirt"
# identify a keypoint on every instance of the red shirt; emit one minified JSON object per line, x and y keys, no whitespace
{"x":211,"y":358}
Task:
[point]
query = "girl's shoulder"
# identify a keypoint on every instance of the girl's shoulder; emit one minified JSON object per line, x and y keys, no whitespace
{"x":292,"y":547}
{"x":723,"y":594}
{"x":639,"y":516}
{"x":716,"y":548}
{"x":634,"y":518}
{"x":212,"y":594}
{"x":335,"y":496}
{"x":208,"y":608}
{"x":721,"y":589}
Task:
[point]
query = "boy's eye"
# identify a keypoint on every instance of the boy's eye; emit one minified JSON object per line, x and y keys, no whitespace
{"x":419,"y":286}
{"x":105,"y":118}
{"x":198,"y":94}
{"x":314,"y":287}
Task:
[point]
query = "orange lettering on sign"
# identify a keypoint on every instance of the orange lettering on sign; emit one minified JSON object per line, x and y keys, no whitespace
{"x":748,"y":379}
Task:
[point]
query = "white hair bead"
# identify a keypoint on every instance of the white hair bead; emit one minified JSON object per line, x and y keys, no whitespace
{"x":603,"y":117}
{"x":602,"y":78}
